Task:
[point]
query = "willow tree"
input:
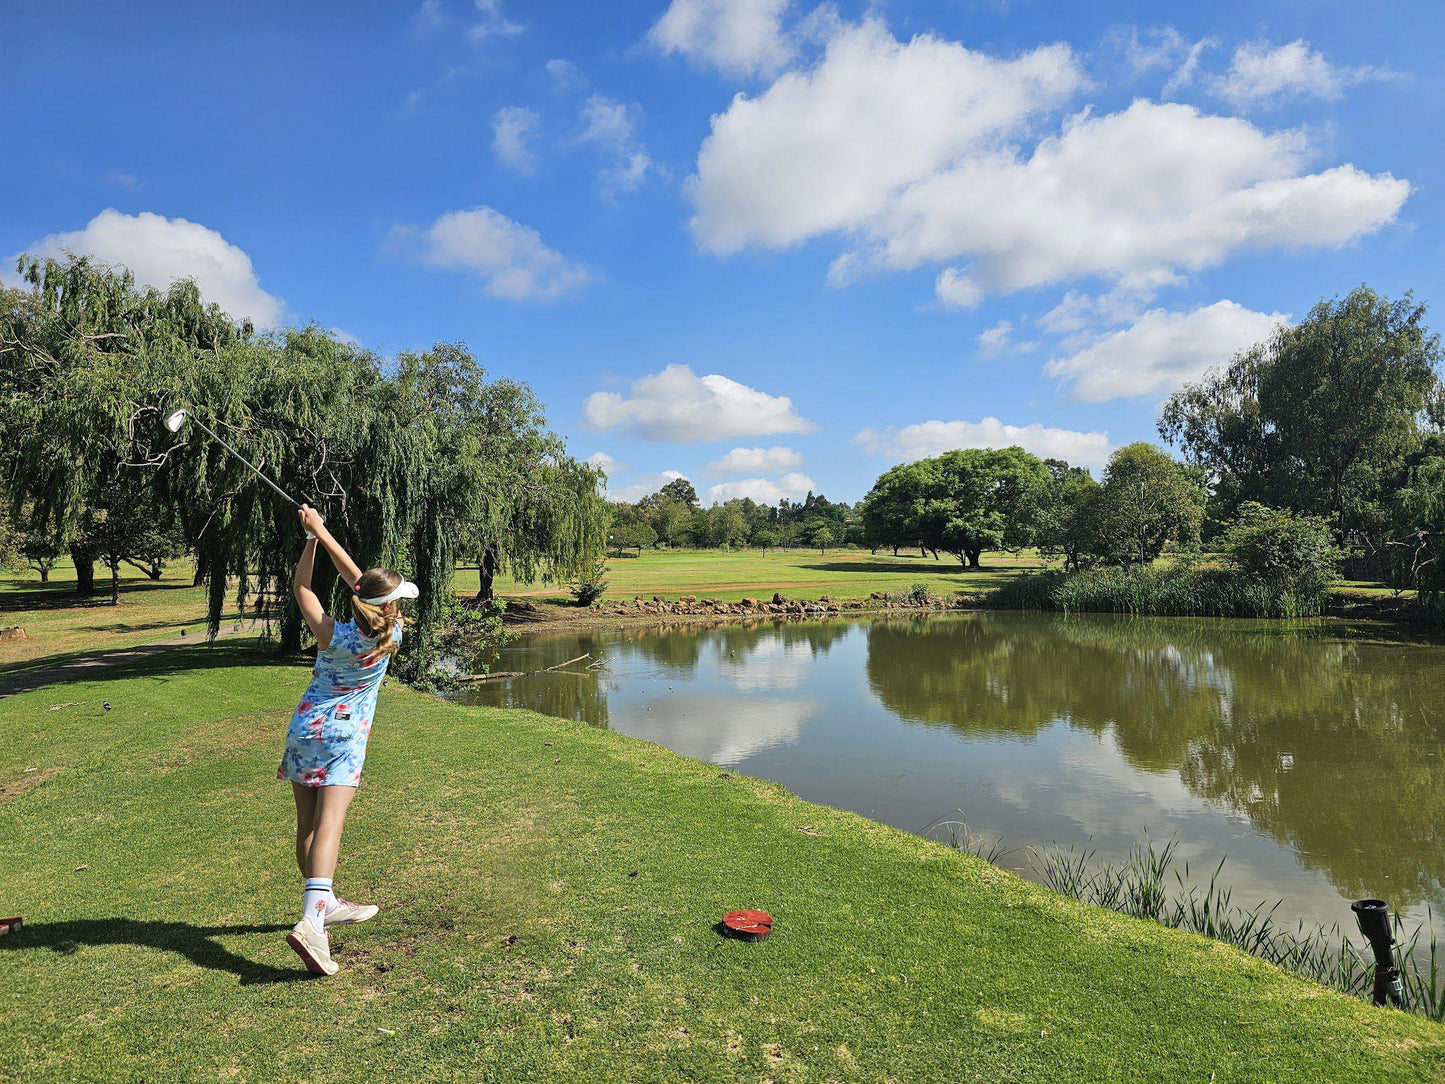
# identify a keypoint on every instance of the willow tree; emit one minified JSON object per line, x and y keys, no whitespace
{"x":531,"y":511}
{"x":83,"y":356}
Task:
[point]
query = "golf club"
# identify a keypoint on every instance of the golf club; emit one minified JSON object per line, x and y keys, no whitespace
{"x":176,"y":418}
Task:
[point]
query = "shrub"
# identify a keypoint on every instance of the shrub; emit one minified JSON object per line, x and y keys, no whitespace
{"x":919,"y":594}
{"x":1179,"y":591}
{"x":1282,"y":547}
{"x":590,"y":587}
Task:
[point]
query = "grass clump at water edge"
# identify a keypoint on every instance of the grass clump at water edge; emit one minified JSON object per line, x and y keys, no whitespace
{"x":1174,"y":591}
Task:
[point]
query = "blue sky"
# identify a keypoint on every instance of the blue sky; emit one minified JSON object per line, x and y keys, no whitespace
{"x":768,"y":245}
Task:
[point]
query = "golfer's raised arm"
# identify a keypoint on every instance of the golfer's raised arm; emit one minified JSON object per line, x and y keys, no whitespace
{"x":311,"y":520}
{"x":307,"y":600}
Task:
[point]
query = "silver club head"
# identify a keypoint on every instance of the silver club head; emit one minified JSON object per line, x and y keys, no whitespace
{"x":174,"y":419}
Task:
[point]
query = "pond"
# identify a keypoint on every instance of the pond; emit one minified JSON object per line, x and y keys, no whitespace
{"x":1310,"y":756}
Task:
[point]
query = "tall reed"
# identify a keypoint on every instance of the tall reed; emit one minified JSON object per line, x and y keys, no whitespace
{"x":1179,"y":591}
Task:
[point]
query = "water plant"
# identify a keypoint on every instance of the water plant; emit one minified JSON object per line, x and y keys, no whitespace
{"x":1177,"y":591}
{"x":1150,"y":883}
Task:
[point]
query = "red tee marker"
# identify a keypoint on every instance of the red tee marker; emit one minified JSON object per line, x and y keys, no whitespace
{"x":748,"y":925}
{"x":10,"y":925}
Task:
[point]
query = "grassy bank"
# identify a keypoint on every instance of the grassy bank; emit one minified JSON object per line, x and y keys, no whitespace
{"x":548,"y":892}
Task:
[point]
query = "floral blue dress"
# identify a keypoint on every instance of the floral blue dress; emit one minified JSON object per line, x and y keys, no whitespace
{"x":326,"y":741}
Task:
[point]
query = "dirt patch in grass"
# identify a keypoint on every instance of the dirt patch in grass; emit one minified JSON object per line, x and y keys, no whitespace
{"x":27,"y":780}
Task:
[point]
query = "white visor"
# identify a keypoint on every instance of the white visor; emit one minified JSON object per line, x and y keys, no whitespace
{"x":405,"y":589}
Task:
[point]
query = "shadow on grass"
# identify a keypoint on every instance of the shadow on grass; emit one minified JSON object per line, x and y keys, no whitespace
{"x":62,"y":596}
{"x":193,"y":942}
{"x":146,"y":660}
{"x":946,"y":567}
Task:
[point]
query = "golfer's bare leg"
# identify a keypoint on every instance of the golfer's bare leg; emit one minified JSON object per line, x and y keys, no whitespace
{"x":331,"y":806}
{"x":305,"y":822}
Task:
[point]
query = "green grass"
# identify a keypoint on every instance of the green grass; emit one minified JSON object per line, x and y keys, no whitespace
{"x":799,"y":574}
{"x":57,"y":622}
{"x":548,"y":892}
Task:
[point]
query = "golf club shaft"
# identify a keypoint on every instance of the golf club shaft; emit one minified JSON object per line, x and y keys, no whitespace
{"x":255,"y":470}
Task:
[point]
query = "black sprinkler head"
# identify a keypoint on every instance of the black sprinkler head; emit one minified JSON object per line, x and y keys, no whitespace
{"x":1374,"y":919}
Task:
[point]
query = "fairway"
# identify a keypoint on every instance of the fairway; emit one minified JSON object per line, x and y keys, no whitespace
{"x":802,"y":574}
{"x":548,"y":892}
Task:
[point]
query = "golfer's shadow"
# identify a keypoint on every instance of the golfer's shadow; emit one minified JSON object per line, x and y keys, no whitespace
{"x":193,"y":942}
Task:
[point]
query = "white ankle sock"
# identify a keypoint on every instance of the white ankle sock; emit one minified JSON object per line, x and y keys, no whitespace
{"x":318,"y":901}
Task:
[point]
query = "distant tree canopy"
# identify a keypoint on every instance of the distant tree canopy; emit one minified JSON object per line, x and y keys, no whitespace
{"x":414,"y":464}
{"x":673,"y":517}
{"x":961,"y":503}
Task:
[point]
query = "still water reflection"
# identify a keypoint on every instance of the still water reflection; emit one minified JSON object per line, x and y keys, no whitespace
{"x":1311,"y":757}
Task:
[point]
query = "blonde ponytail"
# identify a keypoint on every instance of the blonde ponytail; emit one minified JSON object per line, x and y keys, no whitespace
{"x":371,"y":620}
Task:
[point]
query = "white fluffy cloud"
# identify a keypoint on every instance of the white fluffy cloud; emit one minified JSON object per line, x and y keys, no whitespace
{"x":159,"y":250}
{"x":827,"y":148}
{"x":918,"y":154}
{"x":737,"y":37}
{"x":756,"y":461}
{"x":932,"y":438}
{"x":678,"y":405}
{"x":511,"y":259}
{"x":794,"y":485}
{"x":514,"y":128}
{"x":1162,"y":350}
{"x":1155,"y":189}
{"x":1261,"y":74}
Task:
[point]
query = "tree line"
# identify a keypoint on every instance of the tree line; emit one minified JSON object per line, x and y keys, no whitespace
{"x":674,"y":517}
{"x":422,"y":462}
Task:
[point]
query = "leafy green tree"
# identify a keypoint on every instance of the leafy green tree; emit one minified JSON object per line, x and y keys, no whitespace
{"x":728,"y":524}
{"x":1286,"y":547}
{"x":892,"y":510}
{"x":414,"y":464}
{"x":12,"y":542}
{"x":1067,"y":511}
{"x":591,"y":583}
{"x":822,"y":537}
{"x":1147,"y":501}
{"x":1322,"y":417}
{"x":981,"y":499}
{"x":670,"y":520}
{"x":124,"y":524}
{"x":632,"y":536}
{"x":766,"y":538}
{"x":680,"y":490}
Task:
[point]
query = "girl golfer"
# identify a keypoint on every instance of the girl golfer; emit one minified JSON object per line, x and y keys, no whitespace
{"x":326,"y":741}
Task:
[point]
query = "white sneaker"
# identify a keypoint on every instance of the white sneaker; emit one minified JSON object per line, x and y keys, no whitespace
{"x":346,"y":913}
{"x":314,"y":948}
